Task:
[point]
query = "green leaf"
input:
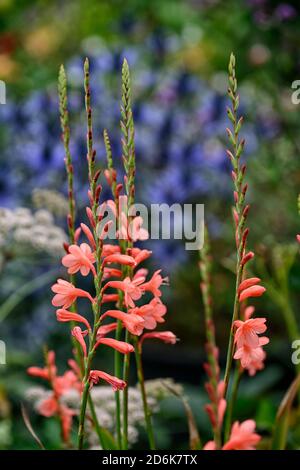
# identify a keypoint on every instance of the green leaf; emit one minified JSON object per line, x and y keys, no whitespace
{"x":281,"y":426}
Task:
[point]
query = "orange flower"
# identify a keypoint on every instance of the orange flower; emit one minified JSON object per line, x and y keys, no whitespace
{"x":121,"y":346}
{"x":155,"y":282}
{"x":254,"y":291}
{"x":133,"y":323}
{"x":66,"y":294}
{"x":165,"y":336}
{"x":151,"y":313}
{"x":63,"y":315}
{"x":80,"y":258}
{"x":243,"y":436}
{"x":78,"y":334}
{"x":247,"y":332}
{"x":96,"y":375}
{"x":132,"y":289}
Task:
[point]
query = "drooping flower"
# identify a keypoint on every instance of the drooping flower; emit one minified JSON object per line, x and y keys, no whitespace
{"x":89,"y":235}
{"x":139,"y":255}
{"x":103,"y":330}
{"x":243,"y":436}
{"x":249,"y":283}
{"x":60,"y":384}
{"x":252,"y":358}
{"x":48,"y":407}
{"x":80,"y":258}
{"x":63,"y":315}
{"x":133,"y":323}
{"x":120,"y":259}
{"x":132,"y":289}
{"x":247,"y":332}
{"x":154,"y":283}
{"x":78,"y":334}
{"x":151,"y":313}
{"x":121,"y":346}
{"x":136,"y":231}
{"x":96,"y":375}
{"x":66,"y":294}
{"x":254,"y":291}
{"x":165,"y":336}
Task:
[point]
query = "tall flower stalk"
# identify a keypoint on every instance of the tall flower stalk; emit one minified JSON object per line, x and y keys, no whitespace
{"x":104,"y":261}
{"x":240,"y":211}
{"x":214,"y":387}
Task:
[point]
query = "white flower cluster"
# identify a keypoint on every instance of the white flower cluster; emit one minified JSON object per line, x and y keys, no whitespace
{"x":105,"y":406}
{"x":21,"y":228}
{"x":51,"y":200}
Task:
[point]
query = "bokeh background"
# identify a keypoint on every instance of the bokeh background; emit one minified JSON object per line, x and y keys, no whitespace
{"x":178,"y":52}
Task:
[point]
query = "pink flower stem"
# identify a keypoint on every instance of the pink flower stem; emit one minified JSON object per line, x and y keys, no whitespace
{"x":64,"y":119}
{"x":205,"y":270}
{"x":98,"y":274}
{"x":240,"y":210}
{"x":118,"y":334}
{"x":128,"y":156}
{"x":65,"y":129}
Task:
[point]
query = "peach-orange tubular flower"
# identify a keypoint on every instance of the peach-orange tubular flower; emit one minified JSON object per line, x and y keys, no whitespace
{"x":89,"y":235}
{"x":243,"y":436}
{"x":151,"y":313}
{"x":252,"y":281}
{"x":132,"y":289}
{"x":120,"y":259}
{"x":78,"y":335}
{"x":63,"y":315}
{"x":121,"y":346}
{"x":155,"y":282}
{"x":43,"y":373}
{"x":165,"y":336}
{"x":247,"y":332}
{"x":248,"y":312}
{"x":103,"y":330}
{"x":48,"y":407}
{"x":298,"y":238}
{"x":140,"y":255}
{"x":136,"y":231}
{"x":109,"y":298}
{"x":80,"y":258}
{"x":66,"y":294}
{"x":66,"y":416}
{"x":210,"y":445}
{"x":96,"y":375}
{"x":251,"y":356}
{"x":254,"y":291}
{"x":109,"y":249}
{"x":133,"y":323}
{"x":247,"y":258}
{"x":111,"y":272}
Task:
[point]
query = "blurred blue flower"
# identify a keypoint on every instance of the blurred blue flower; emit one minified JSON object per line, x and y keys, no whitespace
{"x":180,"y":126}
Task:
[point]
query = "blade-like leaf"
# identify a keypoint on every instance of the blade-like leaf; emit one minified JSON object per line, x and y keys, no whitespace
{"x":283,"y":416}
{"x":29,"y":427}
{"x":194,"y":437}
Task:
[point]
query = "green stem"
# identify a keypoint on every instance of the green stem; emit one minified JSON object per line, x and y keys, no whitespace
{"x":147,"y":412}
{"x":96,"y":422}
{"x":118,"y":371}
{"x":84,"y":400}
{"x":231,"y":336}
{"x":231,"y":401}
{"x":126,"y":370}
